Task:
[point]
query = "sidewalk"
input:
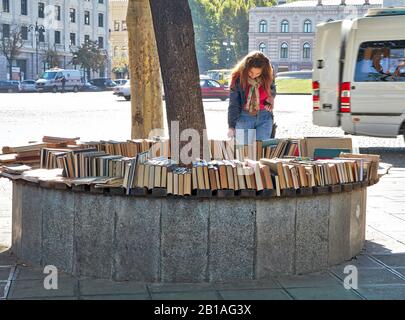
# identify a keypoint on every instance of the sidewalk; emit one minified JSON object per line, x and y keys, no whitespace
{"x":381,"y":267}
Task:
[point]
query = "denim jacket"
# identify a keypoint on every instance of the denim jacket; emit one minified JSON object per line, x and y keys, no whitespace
{"x":237,"y":100}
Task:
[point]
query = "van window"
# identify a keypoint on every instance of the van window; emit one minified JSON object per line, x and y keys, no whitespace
{"x":48,"y":75}
{"x":381,"y":61}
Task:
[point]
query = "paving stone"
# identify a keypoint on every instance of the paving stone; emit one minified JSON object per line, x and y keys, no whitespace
{"x":32,"y":273}
{"x":275,"y":225}
{"x":35,"y":289}
{"x":107,"y":287}
{"x":383,"y":292}
{"x":192,"y":295}
{"x":392,"y":260}
{"x":231,"y":239}
{"x":360,"y":262}
{"x":47,"y":298}
{"x":243,"y":285}
{"x":179,"y":287}
{"x":264,"y":294}
{"x":141,"y":296}
{"x":372,"y":277}
{"x":324,"y":293}
{"x":4,"y":273}
{"x":3,"y":285}
{"x":314,"y":280}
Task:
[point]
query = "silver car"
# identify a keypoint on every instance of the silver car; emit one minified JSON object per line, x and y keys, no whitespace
{"x":27,"y":86}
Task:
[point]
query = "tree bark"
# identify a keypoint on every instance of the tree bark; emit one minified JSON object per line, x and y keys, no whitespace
{"x":178,"y":61}
{"x":146,"y":83}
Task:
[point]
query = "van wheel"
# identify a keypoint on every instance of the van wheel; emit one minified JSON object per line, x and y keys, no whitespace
{"x":75,"y":89}
{"x":127,"y":98}
{"x":55,"y":89}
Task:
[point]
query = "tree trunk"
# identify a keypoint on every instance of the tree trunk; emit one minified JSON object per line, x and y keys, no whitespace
{"x":146,"y":83}
{"x":178,"y":61}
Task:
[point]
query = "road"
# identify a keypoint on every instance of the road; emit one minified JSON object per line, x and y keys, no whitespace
{"x":100,"y":115}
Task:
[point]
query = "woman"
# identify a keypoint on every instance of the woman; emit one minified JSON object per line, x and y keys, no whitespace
{"x":252,"y":99}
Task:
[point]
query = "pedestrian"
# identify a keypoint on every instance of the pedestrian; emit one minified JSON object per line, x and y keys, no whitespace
{"x":63,"y":80}
{"x":251,"y":103}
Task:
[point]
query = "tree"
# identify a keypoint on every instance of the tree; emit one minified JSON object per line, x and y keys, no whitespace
{"x":10,"y":46}
{"x":90,"y":57}
{"x":51,"y":58}
{"x":146,"y":83}
{"x":120,"y":65}
{"x":219,"y":21}
{"x":178,"y":61}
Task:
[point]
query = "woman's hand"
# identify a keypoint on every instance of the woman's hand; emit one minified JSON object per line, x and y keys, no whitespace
{"x":231,"y":133}
{"x":269,"y":105}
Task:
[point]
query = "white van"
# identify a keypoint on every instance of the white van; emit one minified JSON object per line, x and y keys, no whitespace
{"x":51,"y":80}
{"x":359,"y":74}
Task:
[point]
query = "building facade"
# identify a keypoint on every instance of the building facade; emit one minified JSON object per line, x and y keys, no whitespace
{"x":119,"y":38}
{"x":66,"y":25}
{"x":286,"y":32}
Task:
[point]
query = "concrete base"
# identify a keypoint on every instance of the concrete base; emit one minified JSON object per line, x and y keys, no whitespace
{"x":185,"y":239}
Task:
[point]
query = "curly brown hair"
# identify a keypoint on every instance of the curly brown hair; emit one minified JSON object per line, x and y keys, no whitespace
{"x":255,"y":59}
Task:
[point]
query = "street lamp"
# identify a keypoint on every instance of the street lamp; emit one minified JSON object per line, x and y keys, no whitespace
{"x":38,"y":29}
{"x":228,"y":45}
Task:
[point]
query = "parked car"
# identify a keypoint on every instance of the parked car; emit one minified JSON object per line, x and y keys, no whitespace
{"x":27,"y":86}
{"x":123,"y":91}
{"x":103,"y":83}
{"x":212,"y":89}
{"x":88,"y":87}
{"x":8,"y":86}
{"x":120,"y":82}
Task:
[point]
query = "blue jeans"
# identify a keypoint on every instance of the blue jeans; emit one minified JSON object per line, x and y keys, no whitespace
{"x":251,"y":128}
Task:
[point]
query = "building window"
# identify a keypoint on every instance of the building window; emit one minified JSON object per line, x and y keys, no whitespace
{"x":307,"y":26}
{"x":41,"y":10}
{"x":262,"y":47}
{"x":87,"y":18}
{"x":101,"y":1}
{"x":73,"y":39}
{"x":116,"y":25}
{"x":306,"y":51}
{"x":57,"y":37}
{"x":263,"y":26}
{"x":285,"y":26}
{"x":72,"y":15}
{"x":24,"y":33}
{"x":6,"y":30}
{"x":124,"y":25}
{"x":101,"y":42}
{"x":284,"y":51}
{"x":86,"y":38}
{"x":41,"y":36}
{"x":57,"y":13}
{"x":100,"y":20}
{"x":6,"y":5}
{"x":24,"y":8}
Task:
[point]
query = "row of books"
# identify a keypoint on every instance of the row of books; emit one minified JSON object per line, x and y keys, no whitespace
{"x":236,"y":175}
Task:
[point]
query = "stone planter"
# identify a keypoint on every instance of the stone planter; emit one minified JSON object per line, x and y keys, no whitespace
{"x":171,"y":239}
